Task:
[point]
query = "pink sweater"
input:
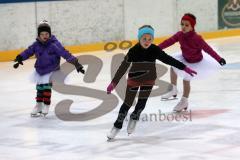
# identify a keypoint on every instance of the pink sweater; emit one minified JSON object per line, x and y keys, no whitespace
{"x":192,"y":45}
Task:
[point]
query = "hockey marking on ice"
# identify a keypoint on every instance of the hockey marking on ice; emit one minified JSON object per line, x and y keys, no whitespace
{"x":197,"y":114}
{"x":221,"y":150}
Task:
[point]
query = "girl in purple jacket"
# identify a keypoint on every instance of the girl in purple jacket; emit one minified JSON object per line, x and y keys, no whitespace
{"x":191,"y":45}
{"x":48,"y":52}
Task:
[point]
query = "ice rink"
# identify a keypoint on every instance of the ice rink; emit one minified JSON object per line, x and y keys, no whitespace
{"x":211,"y":132}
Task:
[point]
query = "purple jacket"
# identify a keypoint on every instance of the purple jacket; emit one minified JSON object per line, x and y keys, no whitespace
{"x":47,"y":55}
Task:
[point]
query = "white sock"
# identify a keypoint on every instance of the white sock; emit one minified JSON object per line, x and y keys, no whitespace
{"x":184,"y":98}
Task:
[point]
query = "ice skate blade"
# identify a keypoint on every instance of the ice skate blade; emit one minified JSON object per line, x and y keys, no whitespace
{"x":169,"y":99}
{"x":44,"y":114}
{"x":35,"y":115}
{"x":181,"y":111}
{"x":110,"y":139}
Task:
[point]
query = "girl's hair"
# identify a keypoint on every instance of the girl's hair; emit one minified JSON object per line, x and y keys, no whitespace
{"x":191,"y":15}
{"x":149,"y":26}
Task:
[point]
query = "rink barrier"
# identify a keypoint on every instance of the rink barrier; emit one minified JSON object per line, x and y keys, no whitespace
{"x":78,"y":49}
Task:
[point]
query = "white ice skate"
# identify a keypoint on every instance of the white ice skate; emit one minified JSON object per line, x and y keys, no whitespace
{"x":112,"y":134}
{"x":45,"y":109}
{"x":182,"y":105}
{"x":170,"y":95}
{"x":131,"y":126}
{"x":37,"y":110}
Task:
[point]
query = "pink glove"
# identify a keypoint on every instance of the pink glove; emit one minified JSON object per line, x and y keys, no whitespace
{"x":110,"y":87}
{"x":190,"y":71}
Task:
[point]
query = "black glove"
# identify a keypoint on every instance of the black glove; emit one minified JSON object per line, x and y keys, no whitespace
{"x":222,"y":62}
{"x":78,"y":66}
{"x":19,"y":60}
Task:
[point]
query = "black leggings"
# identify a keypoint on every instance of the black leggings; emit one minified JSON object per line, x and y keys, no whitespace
{"x":144,"y":93}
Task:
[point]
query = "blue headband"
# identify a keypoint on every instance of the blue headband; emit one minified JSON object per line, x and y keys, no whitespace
{"x":145,"y":30}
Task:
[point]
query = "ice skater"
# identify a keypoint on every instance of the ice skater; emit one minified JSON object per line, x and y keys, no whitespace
{"x":191,"y":45}
{"x":48,"y":52}
{"x":142,"y":59}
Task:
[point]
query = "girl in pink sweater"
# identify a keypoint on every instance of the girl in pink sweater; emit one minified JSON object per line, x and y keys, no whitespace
{"x":191,"y":45}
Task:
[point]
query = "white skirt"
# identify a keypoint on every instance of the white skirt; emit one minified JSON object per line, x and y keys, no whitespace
{"x":38,"y":79}
{"x":205,"y":68}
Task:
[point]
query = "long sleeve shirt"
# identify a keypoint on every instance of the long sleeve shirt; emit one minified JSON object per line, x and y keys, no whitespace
{"x":192,"y":45}
{"x":143,"y":62}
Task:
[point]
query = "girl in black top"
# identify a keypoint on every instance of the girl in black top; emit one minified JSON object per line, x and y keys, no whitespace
{"x":141,"y":76}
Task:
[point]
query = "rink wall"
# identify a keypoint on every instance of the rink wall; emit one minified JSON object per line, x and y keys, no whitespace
{"x":86,"y":25}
